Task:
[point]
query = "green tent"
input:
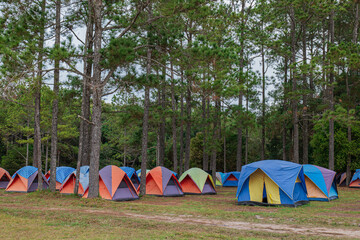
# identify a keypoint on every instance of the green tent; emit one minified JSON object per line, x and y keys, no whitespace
{"x":197,"y":181}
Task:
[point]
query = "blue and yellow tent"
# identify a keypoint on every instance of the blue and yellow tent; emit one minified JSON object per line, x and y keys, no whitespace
{"x":272,"y":182}
{"x":320,"y":183}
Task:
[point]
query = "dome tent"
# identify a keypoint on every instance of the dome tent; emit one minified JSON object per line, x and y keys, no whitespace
{"x":355,"y":180}
{"x":320,"y":183}
{"x":197,"y":181}
{"x":219,"y":176}
{"x":26,"y":180}
{"x":114,"y":184}
{"x":5,"y":178}
{"x":230,"y":179}
{"x":131,"y":173}
{"x":272,"y":182}
{"x":69,"y":183}
{"x":61,"y":175}
{"x":160,"y":181}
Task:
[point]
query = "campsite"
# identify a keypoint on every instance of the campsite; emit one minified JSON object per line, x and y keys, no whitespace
{"x":186,"y":119}
{"x":55,"y":216}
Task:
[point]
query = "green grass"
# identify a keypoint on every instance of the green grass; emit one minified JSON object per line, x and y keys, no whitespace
{"x":51,"y":215}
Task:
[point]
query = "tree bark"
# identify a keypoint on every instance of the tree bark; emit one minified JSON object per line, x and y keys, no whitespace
{"x":285,"y":108}
{"x":239,"y":137}
{"x":294,"y":88}
{"x":204,"y":120}
{"x":97,"y":108}
{"x":173,"y":121}
{"x":145,"y":127}
{"x":331,"y":99}
{"x":46,"y":156}
{"x":55,"y":105}
{"x":85,"y":127}
{"x":263,"y":102}
{"x":305,"y":99}
{"x":145,"y":132}
{"x":162,"y":119}
{"x":216,"y":137}
{"x":181,"y":127}
{"x":37,"y":96}
{"x":27,"y":146}
{"x":349,"y":130}
{"x":188,"y":125}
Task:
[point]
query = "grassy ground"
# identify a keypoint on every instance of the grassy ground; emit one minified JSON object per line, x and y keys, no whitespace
{"x":47,"y":215}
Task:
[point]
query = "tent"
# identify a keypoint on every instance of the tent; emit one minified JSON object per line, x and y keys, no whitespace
{"x":5,"y":178}
{"x":138,"y":172}
{"x":341,"y":179}
{"x":160,"y":181}
{"x":320,"y":183}
{"x":219,"y":176}
{"x":61,"y":175}
{"x":230,"y":179}
{"x":69,"y":183}
{"x":272,"y":182}
{"x":26,"y":180}
{"x":197,"y":181}
{"x":130,"y":172}
{"x":114,"y":184}
{"x":176,"y":175}
{"x":355,"y":181}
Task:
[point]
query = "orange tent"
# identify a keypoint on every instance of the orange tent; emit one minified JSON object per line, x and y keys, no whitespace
{"x":69,"y":183}
{"x":114,"y":184}
{"x":26,"y":180}
{"x":5,"y":178}
{"x":160,"y":181}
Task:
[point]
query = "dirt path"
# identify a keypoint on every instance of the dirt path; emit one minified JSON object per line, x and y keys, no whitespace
{"x":238,"y":225}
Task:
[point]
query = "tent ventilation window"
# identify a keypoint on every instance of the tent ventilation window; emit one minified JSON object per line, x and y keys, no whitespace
{"x":134,"y":179}
{"x":4,"y":178}
{"x":171,"y":182}
{"x":123,"y":184}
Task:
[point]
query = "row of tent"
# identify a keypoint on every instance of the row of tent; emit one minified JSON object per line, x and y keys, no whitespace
{"x":115,"y":183}
{"x":268,"y":182}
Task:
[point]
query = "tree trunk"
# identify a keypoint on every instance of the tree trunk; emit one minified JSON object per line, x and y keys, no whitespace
{"x":27,"y":146}
{"x":216,"y":137}
{"x":294,"y":88}
{"x":84,"y":136}
{"x":331,"y":99}
{"x":145,"y":132}
{"x":354,"y":40}
{"x":181,"y":128}
{"x":263,"y":103}
{"x":37,"y":96}
{"x":173,"y":121}
{"x":145,"y":127}
{"x":224,"y":143}
{"x":46,"y":156}
{"x":239,"y":137}
{"x":97,"y":108}
{"x":125,"y":150}
{"x":204,"y":120}
{"x":188,"y":126}
{"x":285,"y":108}
{"x":55,"y":105}
{"x":163,"y":120}
{"x":304,"y":115}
